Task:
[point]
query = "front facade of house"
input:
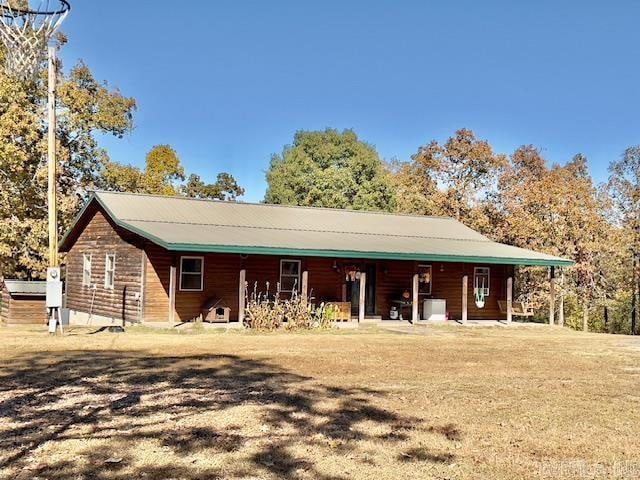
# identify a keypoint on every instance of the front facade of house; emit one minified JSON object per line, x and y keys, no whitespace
{"x":137,"y":258}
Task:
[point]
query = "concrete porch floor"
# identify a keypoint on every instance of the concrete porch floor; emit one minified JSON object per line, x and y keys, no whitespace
{"x":425,"y":323}
{"x":368,"y":323}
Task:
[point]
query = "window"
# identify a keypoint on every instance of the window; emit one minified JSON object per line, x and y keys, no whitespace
{"x":425,"y":279}
{"x":289,"y":275}
{"x":191,"y":274}
{"x":481,"y":280}
{"x":110,"y":271}
{"x":86,"y":269}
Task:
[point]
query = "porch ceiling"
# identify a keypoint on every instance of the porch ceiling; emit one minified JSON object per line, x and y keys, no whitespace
{"x":180,"y":224}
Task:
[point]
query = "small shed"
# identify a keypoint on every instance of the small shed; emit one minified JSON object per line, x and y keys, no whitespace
{"x":23,"y":303}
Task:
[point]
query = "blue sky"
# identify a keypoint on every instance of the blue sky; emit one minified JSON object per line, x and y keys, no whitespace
{"x":227,"y":83}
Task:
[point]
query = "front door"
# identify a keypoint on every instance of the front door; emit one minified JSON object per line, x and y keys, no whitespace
{"x":353,"y":292}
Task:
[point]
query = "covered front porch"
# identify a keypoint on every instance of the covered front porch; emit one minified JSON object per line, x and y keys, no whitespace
{"x":360,"y":290}
{"x":374,"y":291}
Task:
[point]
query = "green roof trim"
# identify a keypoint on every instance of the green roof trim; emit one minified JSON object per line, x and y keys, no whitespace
{"x":359,"y":254}
{"x":164,"y":221}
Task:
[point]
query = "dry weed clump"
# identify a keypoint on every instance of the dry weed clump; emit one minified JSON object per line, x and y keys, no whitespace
{"x":267,"y":312}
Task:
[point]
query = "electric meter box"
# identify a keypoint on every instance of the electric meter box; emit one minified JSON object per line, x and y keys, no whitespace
{"x":54,"y":288}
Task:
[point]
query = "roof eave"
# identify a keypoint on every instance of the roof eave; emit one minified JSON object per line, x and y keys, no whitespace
{"x":304,"y":252}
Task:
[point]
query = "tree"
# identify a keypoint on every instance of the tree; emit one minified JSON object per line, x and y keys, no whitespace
{"x":463,"y":167}
{"x":161,"y":176}
{"x":85,"y":107}
{"x":416,"y":189}
{"x":624,"y":186}
{"x":451,"y":179}
{"x":162,"y":170}
{"x":555,"y":210}
{"x":329,"y":169}
{"x":524,"y":202}
{"x":224,"y":188}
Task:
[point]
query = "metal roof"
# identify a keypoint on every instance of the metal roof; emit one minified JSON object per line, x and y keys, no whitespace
{"x":21,"y":287}
{"x":183,"y":224}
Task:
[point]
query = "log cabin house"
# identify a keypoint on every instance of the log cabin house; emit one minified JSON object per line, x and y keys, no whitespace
{"x":143,"y":258}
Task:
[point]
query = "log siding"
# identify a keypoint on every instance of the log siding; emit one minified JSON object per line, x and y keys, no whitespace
{"x":100,"y":237}
{"x":22,"y":309}
{"x":325,"y":283}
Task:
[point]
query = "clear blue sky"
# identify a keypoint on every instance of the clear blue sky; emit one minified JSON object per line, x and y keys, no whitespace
{"x":227,"y":83}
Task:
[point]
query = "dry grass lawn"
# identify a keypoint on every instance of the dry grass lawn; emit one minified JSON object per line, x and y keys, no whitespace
{"x":454,"y":403}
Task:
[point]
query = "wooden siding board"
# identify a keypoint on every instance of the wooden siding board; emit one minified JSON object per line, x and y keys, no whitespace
{"x":22,"y":309}
{"x":99,"y":238}
{"x":156,"y":288}
{"x":5,"y":305}
{"x":27,"y":311}
{"x":221,"y":274}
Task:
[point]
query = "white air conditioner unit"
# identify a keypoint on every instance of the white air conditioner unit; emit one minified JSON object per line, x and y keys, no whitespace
{"x":434,"y":309}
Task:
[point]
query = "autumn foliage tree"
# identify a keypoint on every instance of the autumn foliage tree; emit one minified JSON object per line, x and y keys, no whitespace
{"x":522,"y":200}
{"x":556,"y":210}
{"x":85,"y":107}
{"x":160,"y":176}
{"x":163,"y":174}
{"x":624,"y":187}
{"x":449,"y":179}
{"x":224,"y":188}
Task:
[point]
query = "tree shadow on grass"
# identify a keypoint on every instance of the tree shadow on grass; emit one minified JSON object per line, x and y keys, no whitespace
{"x":126,"y":398}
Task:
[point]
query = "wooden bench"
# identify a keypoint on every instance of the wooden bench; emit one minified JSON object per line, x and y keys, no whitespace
{"x":519,"y":309}
{"x":341,"y":311}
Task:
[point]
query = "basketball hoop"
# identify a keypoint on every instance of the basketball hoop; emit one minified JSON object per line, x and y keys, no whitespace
{"x":25,"y":33}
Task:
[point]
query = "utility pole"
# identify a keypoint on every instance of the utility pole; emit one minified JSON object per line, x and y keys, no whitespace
{"x":51,"y":163}
{"x":24,"y":31}
{"x":634,"y":293}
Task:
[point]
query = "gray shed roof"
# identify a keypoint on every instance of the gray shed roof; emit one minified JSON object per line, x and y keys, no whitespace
{"x":182,"y":224}
{"x":21,"y":287}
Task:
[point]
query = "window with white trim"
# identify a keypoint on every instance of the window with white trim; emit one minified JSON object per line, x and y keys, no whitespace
{"x":191,"y":274}
{"x":110,"y":270}
{"x":86,"y":269}
{"x":481,"y":280}
{"x":289,"y":275}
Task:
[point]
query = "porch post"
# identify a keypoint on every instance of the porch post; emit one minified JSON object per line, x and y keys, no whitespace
{"x":509,"y":299}
{"x":242,"y":287}
{"x":414,"y":300}
{"x":172,"y":295}
{"x":561,"y":301}
{"x":361,"y":306}
{"x":465,"y":288}
{"x":552,"y":295}
{"x":304,"y":288}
